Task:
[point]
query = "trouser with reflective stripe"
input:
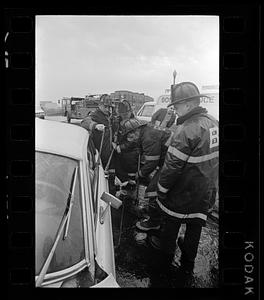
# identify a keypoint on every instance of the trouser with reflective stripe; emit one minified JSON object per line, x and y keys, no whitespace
{"x":151,"y":193}
{"x":169,"y":233}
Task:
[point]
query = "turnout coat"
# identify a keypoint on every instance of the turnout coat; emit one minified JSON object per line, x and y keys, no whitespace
{"x":188,"y":180}
{"x":98,"y":117}
{"x":153,"y":149}
{"x":153,"y":144}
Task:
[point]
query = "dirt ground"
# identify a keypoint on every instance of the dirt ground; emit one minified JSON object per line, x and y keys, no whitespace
{"x":134,"y":260}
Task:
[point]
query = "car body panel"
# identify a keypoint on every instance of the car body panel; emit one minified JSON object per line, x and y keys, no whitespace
{"x":50,"y":137}
{"x":71,"y":141}
{"x":104,"y":235}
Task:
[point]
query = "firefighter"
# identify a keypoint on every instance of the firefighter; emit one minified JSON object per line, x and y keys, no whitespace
{"x":152,"y":145}
{"x":97,"y":122}
{"x":163,"y":120}
{"x":126,"y":160}
{"x":124,"y":110}
{"x":187,"y":183}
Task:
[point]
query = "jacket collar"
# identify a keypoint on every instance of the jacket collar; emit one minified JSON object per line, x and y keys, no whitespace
{"x":195,"y":111}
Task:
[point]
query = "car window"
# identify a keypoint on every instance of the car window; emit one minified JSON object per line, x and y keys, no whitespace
{"x":147,"y":111}
{"x":53,"y":180}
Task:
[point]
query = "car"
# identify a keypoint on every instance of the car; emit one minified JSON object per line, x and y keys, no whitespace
{"x":146,"y":111}
{"x":211,"y":103}
{"x":74,"y":239}
{"x":39,"y":112}
{"x":149,"y":108}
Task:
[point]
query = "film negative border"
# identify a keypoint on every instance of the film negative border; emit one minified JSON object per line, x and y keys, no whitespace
{"x":239,"y":238}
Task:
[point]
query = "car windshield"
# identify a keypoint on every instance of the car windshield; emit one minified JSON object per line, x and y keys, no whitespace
{"x":147,"y":111}
{"x":54,"y":174}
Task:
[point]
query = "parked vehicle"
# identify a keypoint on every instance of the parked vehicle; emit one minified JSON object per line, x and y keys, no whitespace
{"x":148,"y":108}
{"x":78,"y":108}
{"x":39,"y":112}
{"x":74,"y":241}
{"x":146,"y":111}
{"x":211,"y":104}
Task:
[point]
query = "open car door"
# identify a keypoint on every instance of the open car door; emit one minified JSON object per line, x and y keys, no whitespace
{"x":105,"y":256}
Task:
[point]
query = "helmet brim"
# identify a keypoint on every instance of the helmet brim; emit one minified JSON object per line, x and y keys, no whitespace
{"x":188,"y":98}
{"x":134,"y":129}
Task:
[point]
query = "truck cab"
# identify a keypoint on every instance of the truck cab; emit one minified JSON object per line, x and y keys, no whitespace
{"x":78,"y":108}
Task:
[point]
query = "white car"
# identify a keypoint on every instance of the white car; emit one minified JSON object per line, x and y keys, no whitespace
{"x":149,"y":108}
{"x":146,"y":111}
{"x":74,"y":241}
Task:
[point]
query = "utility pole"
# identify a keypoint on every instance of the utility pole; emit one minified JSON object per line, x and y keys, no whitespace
{"x":174,"y":76}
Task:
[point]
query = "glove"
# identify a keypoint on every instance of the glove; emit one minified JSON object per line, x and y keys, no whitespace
{"x":116,"y":147}
{"x":100,"y":127}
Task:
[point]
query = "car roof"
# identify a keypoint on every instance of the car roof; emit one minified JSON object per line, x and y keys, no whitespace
{"x":61,"y":138}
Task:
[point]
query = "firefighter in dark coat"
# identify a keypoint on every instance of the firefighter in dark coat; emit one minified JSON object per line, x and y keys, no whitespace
{"x":187,"y":184}
{"x":126,"y":160}
{"x":152,"y":146}
{"x":97,"y":122}
{"x":108,"y":118}
{"x":162,"y":120}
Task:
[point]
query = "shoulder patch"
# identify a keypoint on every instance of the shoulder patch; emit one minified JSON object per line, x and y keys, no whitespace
{"x":214,"y":137}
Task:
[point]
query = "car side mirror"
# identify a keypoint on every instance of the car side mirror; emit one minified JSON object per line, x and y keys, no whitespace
{"x":111,"y":201}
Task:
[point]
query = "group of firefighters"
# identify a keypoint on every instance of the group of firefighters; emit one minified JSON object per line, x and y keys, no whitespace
{"x":175,"y":156}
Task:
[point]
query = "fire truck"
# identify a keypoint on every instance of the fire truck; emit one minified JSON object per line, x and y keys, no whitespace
{"x":79,"y":108}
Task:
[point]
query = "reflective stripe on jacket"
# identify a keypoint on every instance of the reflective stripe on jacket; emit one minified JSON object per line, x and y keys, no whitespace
{"x":190,"y":172}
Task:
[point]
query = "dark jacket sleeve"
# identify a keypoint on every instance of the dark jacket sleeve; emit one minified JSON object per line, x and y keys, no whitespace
{"x":181,"y":145}
{"x":151,"y":149}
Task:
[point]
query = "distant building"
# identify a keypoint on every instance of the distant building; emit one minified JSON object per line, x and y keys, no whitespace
{"x":135,"y":99}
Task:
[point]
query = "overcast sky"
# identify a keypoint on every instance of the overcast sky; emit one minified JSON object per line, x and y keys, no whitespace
{"x":78,"y":55}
